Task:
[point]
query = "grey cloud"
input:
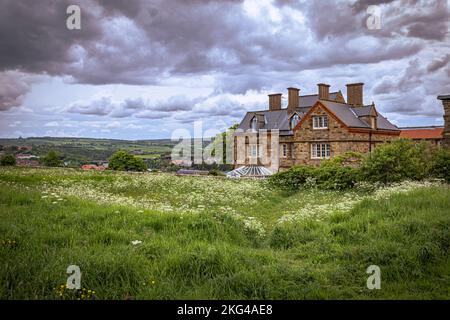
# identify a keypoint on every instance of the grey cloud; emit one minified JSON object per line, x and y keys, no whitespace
{"x":141,"y":42}
{"x":386,"y":85}
{"x":133,"y":107}
{"x":35,"y":38}
{"x":438,"y":63}
{"x":101,"y":107}
{"x":13,"y":88}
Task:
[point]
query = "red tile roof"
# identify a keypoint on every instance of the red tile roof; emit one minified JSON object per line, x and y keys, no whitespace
{"x":422,"y":133}
{"x":92,"y":167}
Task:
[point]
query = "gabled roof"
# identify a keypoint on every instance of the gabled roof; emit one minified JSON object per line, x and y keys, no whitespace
{"x":365,"y":110}
{"x":350,"y":116}
{"x":345,"y":113}
{"x":279,"y":119}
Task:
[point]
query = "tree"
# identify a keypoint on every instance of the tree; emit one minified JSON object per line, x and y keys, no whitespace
{"x":8,"y":160}
{"x":52,"y":159}
{"x":123,"y":161}
{"x":223,"y":138}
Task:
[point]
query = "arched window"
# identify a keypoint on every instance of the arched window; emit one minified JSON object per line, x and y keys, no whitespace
{"x":295,"y":119}
{"x":255,"y":123}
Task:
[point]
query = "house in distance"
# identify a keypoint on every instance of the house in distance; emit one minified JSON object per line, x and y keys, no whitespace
{"x":311,"y":128}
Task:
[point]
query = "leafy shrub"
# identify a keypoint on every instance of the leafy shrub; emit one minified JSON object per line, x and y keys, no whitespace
{"x":441,"y":165}
{"x":329,"y":176}
{"x":8,"y":160}
{"x":390,"y":162}
{"x":291,"y":179}
{"x":400,"y":160}
{"x":336,"y":177}
{"x":123,"y":161}
{"x":52,"y":159}
{"x":349,"y":158}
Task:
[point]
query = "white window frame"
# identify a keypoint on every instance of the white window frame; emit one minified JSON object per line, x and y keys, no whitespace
{"x":254,"y":124}
{"x":254,"y":150}
{"x":320,"y":151}
{"x":297,"y":117}
{"x":320,"y":122}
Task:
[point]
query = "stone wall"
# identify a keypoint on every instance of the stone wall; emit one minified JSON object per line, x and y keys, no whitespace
{"x":340,"y":138}
{"x":446,"y":134}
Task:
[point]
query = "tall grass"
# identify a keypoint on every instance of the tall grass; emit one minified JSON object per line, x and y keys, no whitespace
{"x":212,"y":255}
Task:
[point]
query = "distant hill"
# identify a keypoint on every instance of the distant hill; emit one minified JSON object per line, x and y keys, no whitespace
{"x":78,"y":151}
{"x":82,"y":150}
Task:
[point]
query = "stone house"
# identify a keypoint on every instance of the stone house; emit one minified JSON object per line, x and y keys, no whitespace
{"x":311,"y":128}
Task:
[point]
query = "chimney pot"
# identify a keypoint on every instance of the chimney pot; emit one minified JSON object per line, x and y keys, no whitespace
{"x":293,"y":99}
{"x":274,"y":101}
{"x":355,"y":94}
{"x":324,"y":91}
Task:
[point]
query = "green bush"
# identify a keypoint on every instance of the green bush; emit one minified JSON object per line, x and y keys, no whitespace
{"x":292,"y":179}
{"x":441,"y":165}
{"x":52,"y":159}
{"x":399,"y":160}
{"x":350,"y":158}
{"x":330,"y":177}
{"x":123,"y":161}
{"x":336,"y":177}
{"x":390,"y":162}
{"x":8,"y":160}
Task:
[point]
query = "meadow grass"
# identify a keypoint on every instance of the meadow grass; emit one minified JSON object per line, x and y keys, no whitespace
{"x":213,"y":238}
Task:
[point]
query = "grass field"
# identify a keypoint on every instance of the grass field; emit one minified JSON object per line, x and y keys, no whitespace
{"x":213,"y":238}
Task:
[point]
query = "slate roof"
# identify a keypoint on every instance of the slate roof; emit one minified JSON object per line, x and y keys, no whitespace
{"x":310,"y":100}
{"x":278,"y":119}
{"x":351,"y":116}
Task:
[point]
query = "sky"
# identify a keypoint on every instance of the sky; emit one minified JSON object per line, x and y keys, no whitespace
{"x":150,"y":69}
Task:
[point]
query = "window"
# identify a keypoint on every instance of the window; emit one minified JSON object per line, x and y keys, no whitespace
{"x":320,"y":122}
{"x":294,"y":121}
{"x":320,"y":151}
{"x":253,"y":150}
{"x":255,"y":123}
{"x":284,"y":150}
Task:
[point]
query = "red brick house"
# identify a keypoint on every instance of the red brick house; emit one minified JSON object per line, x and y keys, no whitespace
{"x":432,"y":134}
{"x":311,"y":128}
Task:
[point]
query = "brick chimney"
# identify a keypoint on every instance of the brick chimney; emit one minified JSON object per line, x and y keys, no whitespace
{"x":274,"y":101}
{"x":293,"y":100}
{"x":324,"y":91}
{"x":446,"y":134}
{"x":355,"y":94}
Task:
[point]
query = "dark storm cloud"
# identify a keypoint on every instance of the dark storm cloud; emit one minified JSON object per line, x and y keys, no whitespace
{"x":34,"y":37}
{"x":141,"y":42}
{"x":150,"y":42}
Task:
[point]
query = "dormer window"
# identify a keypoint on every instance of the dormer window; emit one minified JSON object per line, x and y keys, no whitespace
{"x":320,"y":122}
{"x":254,"y":124}
{"x":295,"y":119}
